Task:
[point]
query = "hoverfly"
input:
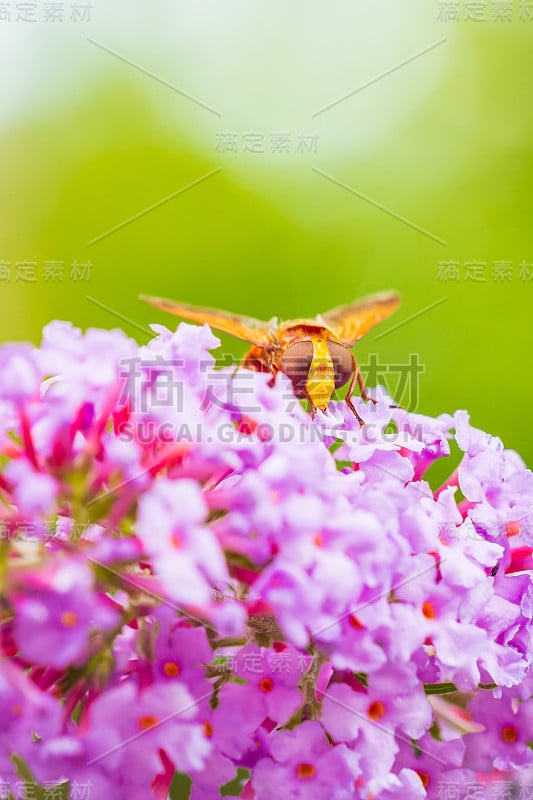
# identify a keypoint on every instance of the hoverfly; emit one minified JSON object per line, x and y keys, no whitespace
{"x":313,"y":353}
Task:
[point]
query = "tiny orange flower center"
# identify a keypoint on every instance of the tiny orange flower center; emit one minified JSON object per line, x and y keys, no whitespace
{"x":512,"y":528}
{"x":428,"y":610}
{"x":69,"y":619}
{"x":318,"y":541}
{"x":424,"y":777}
{"x":375,"y":710}
{"x":266,"y":684}
{"x":17,"y":710}
{"x":148,"y":721}
{"x":247,"y":425}
{"x":176,"y":541}
{"x":208,"y":729}
{"x":509,"y":734}
{"x":171,"y":669}
{"x":305,"y":771}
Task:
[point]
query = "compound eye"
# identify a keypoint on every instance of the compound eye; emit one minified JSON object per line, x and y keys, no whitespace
{"x":295,"y":363}
{"x":343,"y":363}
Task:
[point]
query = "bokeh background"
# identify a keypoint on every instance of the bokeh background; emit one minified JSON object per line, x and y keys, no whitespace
{"x":280,"y":158}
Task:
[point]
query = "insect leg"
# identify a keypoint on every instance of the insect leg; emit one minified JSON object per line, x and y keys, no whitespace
{"x":348,"y":399}
{"x":366,"y":397}
{"x":362,"y":389}
{"x":272,"y":380}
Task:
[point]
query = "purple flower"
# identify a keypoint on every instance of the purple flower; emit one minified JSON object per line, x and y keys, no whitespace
{"x":368,"y":719}
{"x":217,"y":582}
{"x":126,"y":732}
{"x":28,"y":715}
{"x":20,"y":375}
{"x":505,"y":743}
{"x":34,"y":492}
{"x":181,"y":652}
{"x":55,"y":609}
{"x":404,"y":786}
{"x":187,"y":555}
{"x":434,"y":762}
{"x":273,"y":676}
{"x":304,"y":765}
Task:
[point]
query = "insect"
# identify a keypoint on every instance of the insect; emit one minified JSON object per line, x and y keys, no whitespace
{"x":313,"y":353}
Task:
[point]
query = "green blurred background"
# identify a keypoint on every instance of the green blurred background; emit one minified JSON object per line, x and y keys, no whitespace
{"x":279,"y":200}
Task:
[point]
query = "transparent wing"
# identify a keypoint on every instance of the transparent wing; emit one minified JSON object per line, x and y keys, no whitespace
{"x":248,"y":328}
{"x":351,"y":321}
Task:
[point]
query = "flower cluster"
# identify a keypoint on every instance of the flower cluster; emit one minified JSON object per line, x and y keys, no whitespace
{"x":226,"y":589}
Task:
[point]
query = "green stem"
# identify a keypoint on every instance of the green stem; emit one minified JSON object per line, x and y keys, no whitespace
{"x":448,"y":688}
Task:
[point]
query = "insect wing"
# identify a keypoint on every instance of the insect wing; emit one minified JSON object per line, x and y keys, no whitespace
{"x":247,"y":328}
{"x":353,"y":320}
